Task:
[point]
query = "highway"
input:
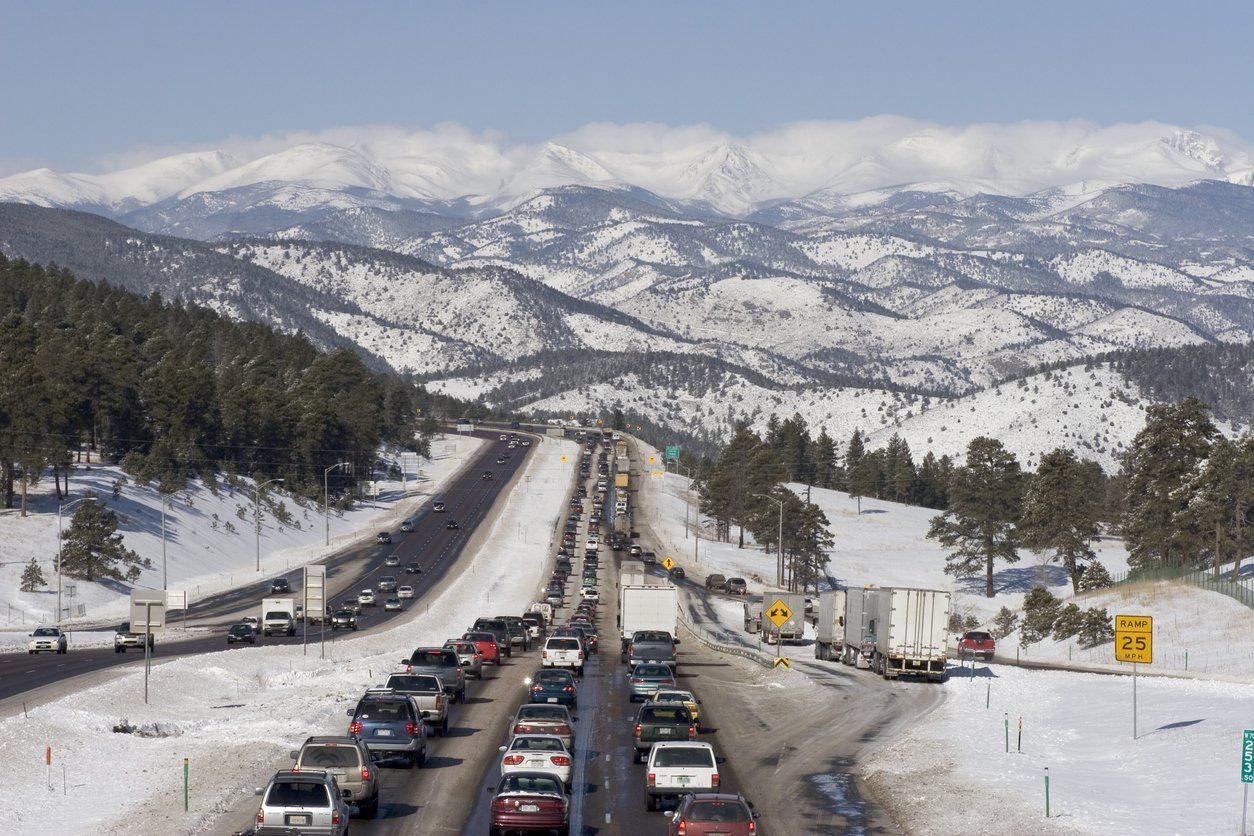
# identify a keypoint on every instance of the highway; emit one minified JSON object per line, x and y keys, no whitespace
{"x":469,"y":499}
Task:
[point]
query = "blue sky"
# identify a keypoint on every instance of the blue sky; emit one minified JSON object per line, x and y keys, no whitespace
{"x":85,"y":80}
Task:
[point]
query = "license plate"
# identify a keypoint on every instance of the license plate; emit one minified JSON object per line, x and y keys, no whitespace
{"x":552,"y":699}
{"x":683,"y":779}
{"x":298,"y":819}
{"x":382,"y":732}
{"x":665,"y":730}
{"x":529,"y":808}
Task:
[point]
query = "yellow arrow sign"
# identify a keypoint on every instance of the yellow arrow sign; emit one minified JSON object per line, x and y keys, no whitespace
{"x":779,"y":613}
{"x":669,"y":564}
{"x":782,"y":660}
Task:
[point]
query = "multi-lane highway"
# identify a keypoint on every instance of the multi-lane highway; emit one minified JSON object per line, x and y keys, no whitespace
{"x":468,"y":499}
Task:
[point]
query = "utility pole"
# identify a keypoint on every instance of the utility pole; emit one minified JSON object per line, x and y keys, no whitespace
{"x":164,"y":574}
{"x":257,"y":517}
{"x":779,"y":546}
{"x":326,"y":494}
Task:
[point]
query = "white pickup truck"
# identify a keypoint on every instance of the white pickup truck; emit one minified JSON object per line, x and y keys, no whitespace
{"x":676,"y":769}
{"x":563,"y":652}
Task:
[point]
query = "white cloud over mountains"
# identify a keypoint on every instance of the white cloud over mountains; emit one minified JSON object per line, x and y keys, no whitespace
{"x":687,"y":162}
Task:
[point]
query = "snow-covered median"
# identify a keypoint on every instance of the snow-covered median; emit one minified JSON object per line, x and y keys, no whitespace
{"x":210,"y":545}
{"x":950,"y":773}
{"x":236,"y":714}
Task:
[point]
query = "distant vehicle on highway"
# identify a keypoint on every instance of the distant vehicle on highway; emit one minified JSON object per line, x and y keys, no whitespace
{"x":659,"y":722}
{"x":716,"y":582}
{"x":437,"y":507}
{"x":530,"y":802}
{"x":649,"y":677}
{"x":487,"y":474}
{"x":677,"y":573}
{"x":393,"y":605}
{"x":390,"y":726}
{"x":544,"y":718}
{"x":344,"y":620}
{"x":126,"y":638}
{"x":47,"y":640}
{"x":241,"y":633}
{"x":468,"y":655}
{"x":702,"y":814}
{"x":279,"y":586}
{"x":737,"y":586}
{"x":366,"y":598}
{"x":451,"y":525}
{"x":407,"y":526}
{"x":499,"y":460}
{"x":405,"y":592}
{"x":392,"y":560}
{"x":348,"y":760}
{"x":412,"y":568}
{"x":977,"y":643}
{"x":383,"y":537}
{"x":302,"y":803}
{"x":552,"y":685}
{"x":677,"y":768}
{"x":443,"y":663}
{"x":387,"y":583}
{"x":538,"y":753}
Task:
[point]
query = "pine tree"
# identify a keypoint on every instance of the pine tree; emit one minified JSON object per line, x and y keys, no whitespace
{"x":93,"y":548}
{"x":1161,"y":459}
{"x":854,"y":452}
{"x":1095,"y":577}
{"x":1040,"y":611}
{"x":1060,"y":510}
{"x":1069,"y":621}
{"x":32,"y":577}
{"x":984,"y":506}
{"x":1096,"y":628}
{"x":1005,"y":623}
{"x":826,"y":469}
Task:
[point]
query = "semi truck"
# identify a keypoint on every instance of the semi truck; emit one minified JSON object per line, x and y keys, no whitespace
{"x":829,"y":639}
{"x":790,"y":631}
{"x":646,"y":602}
{"x":904,"y":631}
{"x":859,"y":642}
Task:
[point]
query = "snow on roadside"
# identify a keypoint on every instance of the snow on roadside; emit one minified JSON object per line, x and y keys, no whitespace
{"x":210,"y":547}
{"x":236,"y":714}
{"x":1180,"y":776}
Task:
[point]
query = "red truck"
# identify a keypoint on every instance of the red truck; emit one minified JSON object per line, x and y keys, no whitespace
{"x":977,"y":643}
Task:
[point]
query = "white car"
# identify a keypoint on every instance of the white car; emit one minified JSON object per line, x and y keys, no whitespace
{"x":589,"y":593}
{"x":563,"y":652}
{"x":593,"y":544}
{"x":678,"y":768}
{"x":47,"y":640}
{"x":526,"y":443}
{"x":538,"y":753}
{"x":504,"y":437}
{"x":405,"y":592}
{"x":366,"y":598}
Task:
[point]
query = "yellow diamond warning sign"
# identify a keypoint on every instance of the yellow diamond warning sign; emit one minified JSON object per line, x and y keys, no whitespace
{"x":782,"y":660}
{"x":779,"y":613}
{"x":669,"y":564}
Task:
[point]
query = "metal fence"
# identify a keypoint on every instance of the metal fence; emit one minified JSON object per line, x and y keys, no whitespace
{"x":1239,"y":590}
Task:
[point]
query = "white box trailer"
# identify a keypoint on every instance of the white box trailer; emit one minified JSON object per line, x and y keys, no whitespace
{"x":858,"y":647}
{"x":647,"y":606}
{"x":829,"y":641}
{"x":910,"y":627}
{"x":791,"y":631}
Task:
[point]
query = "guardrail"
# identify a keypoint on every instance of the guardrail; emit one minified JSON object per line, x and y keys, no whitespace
{"x":702,"y":635}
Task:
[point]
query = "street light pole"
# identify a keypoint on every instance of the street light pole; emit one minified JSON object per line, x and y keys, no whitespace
{"x":60,"y":510}
{"x":779,"y":545}
{"x":687,"y":495}
{"x":257,"y":516}
{"x":164,"y":575}
{"x":326,"y":496}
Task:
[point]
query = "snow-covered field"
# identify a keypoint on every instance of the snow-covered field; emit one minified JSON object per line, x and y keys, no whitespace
{"x":237,"y":713}
{"x":209,"y":544}
{"x":1179,"y":777}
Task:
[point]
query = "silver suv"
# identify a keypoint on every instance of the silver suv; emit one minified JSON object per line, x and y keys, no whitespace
{"x":442,"y":662}
{"x":347,"y":760}
{"x":302,"y":803}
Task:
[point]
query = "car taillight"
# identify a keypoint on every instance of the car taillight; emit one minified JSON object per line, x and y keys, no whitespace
{"x":412,"y":729}
{"x":545,"y":655}
{"x":569,"y":688}
{"x":335,"y":817}
{"x":714,"y":780}
{"x":559,"y":760}
{"x":636,"y":679}
{"x":681,"y":828}
{"x":513,"y":760}
{"x":638,"y":729}
{"x":519,"y":728}
{"x":692,"y":732}
{"x":409,"y":669}
{"x":753,"y":827}
{"x":651,"y":781}
{"x":365,"y":775}
{"x":354,"y":727}
{"x":261,"y":817}
{"x":459,"y":670}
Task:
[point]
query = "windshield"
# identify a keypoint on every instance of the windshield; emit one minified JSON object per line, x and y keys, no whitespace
{"x":539,"y":744}
{"x":328,"y":756}
{"x":383,"y":711}
{"x":542,"y":712}
{"x":719,"y":811}
{"x":410,"y":682}
{"x":298,"y":794}
{"x":552,"y":675}
{"x":46,"y":631}
{"x":563,"y":644}
{"x":652,"y":671}
{"x":435,"y":659}
{"x":480,"y":637}
{"x":241,"y":629}
{"x":665,"y":714}
{"x":529,"y":783}
{"x":675,"y":756}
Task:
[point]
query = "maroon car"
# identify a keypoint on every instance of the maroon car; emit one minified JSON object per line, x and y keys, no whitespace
{"x":977,"y":643}
{"x":530,"y":802}
{"x":705,"y":813}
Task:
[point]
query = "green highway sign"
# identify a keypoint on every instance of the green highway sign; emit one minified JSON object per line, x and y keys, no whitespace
{"x":672,"y":453}
{"x":1247,"y":756}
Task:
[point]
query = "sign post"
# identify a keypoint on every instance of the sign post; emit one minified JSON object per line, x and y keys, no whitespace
{"x":779,"y":613}
{"x":1134,"y":642}
{"x":1247,"y":771}
{"x":315,"y":602}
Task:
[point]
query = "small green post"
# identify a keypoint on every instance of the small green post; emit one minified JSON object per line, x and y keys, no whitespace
{"x":185,"y":796}
{"x":1047,"y":792}
{"x":1186,"y":658}
{"x":1006,"y":716}
{"x":988,"y":692}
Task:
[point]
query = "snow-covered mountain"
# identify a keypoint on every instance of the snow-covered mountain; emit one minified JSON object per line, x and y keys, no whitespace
{"x":821,"y":161}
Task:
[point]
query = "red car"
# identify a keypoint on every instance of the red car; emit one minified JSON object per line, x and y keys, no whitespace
{"x":486,"y":644}
{"x":530,"y":802}
{"x":977,"y":643}
{"x":705,"y":813}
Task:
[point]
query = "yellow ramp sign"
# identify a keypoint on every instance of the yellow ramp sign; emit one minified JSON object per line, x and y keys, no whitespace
{"x":1134,"y":639}
{"x":779,"y":613}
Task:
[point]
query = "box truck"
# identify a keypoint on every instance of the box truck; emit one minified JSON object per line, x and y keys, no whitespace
{"x":278,"y":615}
{"x":650,"y":605}
{"x":859,"y":642}
{"x":909,"y":629}
{"x":829,"y":639}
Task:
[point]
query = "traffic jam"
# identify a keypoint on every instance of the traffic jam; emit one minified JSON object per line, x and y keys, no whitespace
{"x":611,"y":648}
